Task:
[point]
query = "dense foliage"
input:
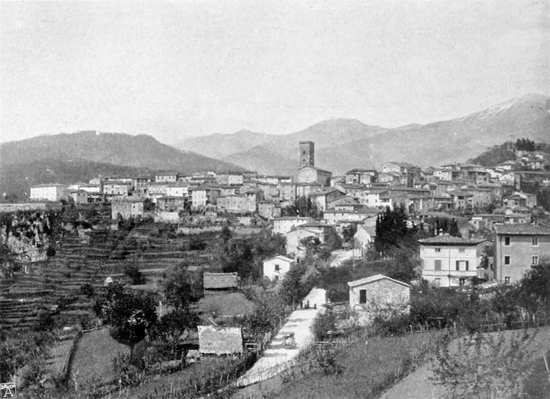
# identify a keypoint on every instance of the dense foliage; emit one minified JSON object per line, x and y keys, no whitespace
{"x":131,"y":314}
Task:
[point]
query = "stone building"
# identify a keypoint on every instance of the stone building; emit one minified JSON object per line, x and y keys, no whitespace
{"x":126,"y":208}
{"x":379,"y":295}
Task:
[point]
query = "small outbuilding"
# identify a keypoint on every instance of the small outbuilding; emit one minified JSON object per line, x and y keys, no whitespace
{"x":379,"y":293}
{"x":277,"y":267}
{"x":218,"y":341}
{"x":216,"y":283}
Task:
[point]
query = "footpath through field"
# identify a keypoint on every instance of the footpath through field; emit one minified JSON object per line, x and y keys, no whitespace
{"x":278,"y":357}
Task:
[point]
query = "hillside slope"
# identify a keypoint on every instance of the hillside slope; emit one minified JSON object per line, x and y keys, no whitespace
{"x":15,"y":179}
{"x":141,"y":151}
{"x":326,"y":134}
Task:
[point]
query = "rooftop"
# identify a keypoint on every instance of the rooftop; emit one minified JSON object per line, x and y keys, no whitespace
{"x":372,"y":279}
{"x":448,"y":240}
{"x":220,"y":280}
{"x":522,"y":229}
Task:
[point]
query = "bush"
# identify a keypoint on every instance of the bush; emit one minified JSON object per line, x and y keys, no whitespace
{"x":325,"y":357}
{"x":132,"y":271}
{"x":323,"y":324}
{"x":87,"y":289}
{"x":50,"y":251}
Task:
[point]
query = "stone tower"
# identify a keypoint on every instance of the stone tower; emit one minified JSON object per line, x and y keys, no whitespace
{"x":307,"y":154}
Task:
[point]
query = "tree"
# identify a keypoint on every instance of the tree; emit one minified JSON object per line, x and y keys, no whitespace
{"x":484,"y":365}
{"x":170,"y":330}
{"x":182,"y":287}
{"x":534,"y":288}
{"x":391,"y":230}
{"x":453,"y":228}
{"x":348,"y":232}
{"x":131,"y":314}
{"x":133,"y":272}
{"x":292,"y":288}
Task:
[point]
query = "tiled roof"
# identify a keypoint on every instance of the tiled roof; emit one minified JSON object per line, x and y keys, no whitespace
{"x":372,"y":279}
{"x":522,"y":229}
{"x":220,"y":280}
{"x":448,"y":240}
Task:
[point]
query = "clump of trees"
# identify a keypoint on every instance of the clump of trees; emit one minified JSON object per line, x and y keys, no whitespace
{"x":296,"y":284}
{"x":302,"y":207}
{"x":484,"y":365}
{"x":525,"y":144}
{"x":131,"y":314}
{"x":392,"y":231}
{"x":245,"y":255}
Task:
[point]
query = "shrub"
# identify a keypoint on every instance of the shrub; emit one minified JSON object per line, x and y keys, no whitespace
{"x":132,"y":271}
{"x":87,"y":289}
{"x":323,"y":324}
{"x":325,"y":357}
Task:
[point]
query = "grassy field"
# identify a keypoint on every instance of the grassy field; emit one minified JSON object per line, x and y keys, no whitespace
{"x":367,"y":370}
{"x":94,"y":356}
{"x":537,"y":385}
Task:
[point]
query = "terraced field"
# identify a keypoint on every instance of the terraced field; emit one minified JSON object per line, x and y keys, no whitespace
{"x":54,"y":285}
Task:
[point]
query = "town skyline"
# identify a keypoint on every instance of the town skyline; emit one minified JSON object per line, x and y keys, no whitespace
{"x":177,"y":70}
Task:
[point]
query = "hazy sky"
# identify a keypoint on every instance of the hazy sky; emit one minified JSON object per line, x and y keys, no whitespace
{"x":187,"y":68}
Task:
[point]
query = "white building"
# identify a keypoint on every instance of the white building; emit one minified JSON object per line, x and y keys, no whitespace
{"x":177,"y":190}
{"x":199,"y":198}
{"x":277,"y":267}
{"x":449,"y":261}
{"x":48,"y":192}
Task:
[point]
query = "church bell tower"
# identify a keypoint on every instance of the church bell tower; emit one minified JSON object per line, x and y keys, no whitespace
{"x":307,"y":154}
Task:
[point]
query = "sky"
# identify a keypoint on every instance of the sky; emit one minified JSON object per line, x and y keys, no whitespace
{"x":189,"y":68}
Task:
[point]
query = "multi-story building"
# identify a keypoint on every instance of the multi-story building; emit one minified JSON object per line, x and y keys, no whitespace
{"x":518,"y":247}
{"x":361,"y":176}
{"x":449,"y":261}
{"x":126,"y":208}
{"x":48,"y":192}
{"x":166,"y":177}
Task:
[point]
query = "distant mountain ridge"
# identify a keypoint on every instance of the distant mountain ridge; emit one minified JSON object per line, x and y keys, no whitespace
{"x":141,"y":151}
{"x":16,"y":178}
{"x":342,"y":144}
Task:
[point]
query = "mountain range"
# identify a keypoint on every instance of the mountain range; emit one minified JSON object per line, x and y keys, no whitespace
{"x":343,"y":144}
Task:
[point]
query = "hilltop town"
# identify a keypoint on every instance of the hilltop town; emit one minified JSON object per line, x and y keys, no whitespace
{"x":187,"y":284}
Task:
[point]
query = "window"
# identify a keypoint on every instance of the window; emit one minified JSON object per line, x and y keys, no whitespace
{"x":535,"y":260}
{"x":457,"y":265}
{"x":507,"y":240}
{"x":277,"y":268}
{"x":461,"y":281}
{"x":506,"y":260}
{"x":362,"y":296}
{"x":467,"y":265}
{"x":437,"y":249}
{"x":437,"y":265}
{"x":507,"y":280}
{"x":535,"y":241}
{"x":461,"y":249}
